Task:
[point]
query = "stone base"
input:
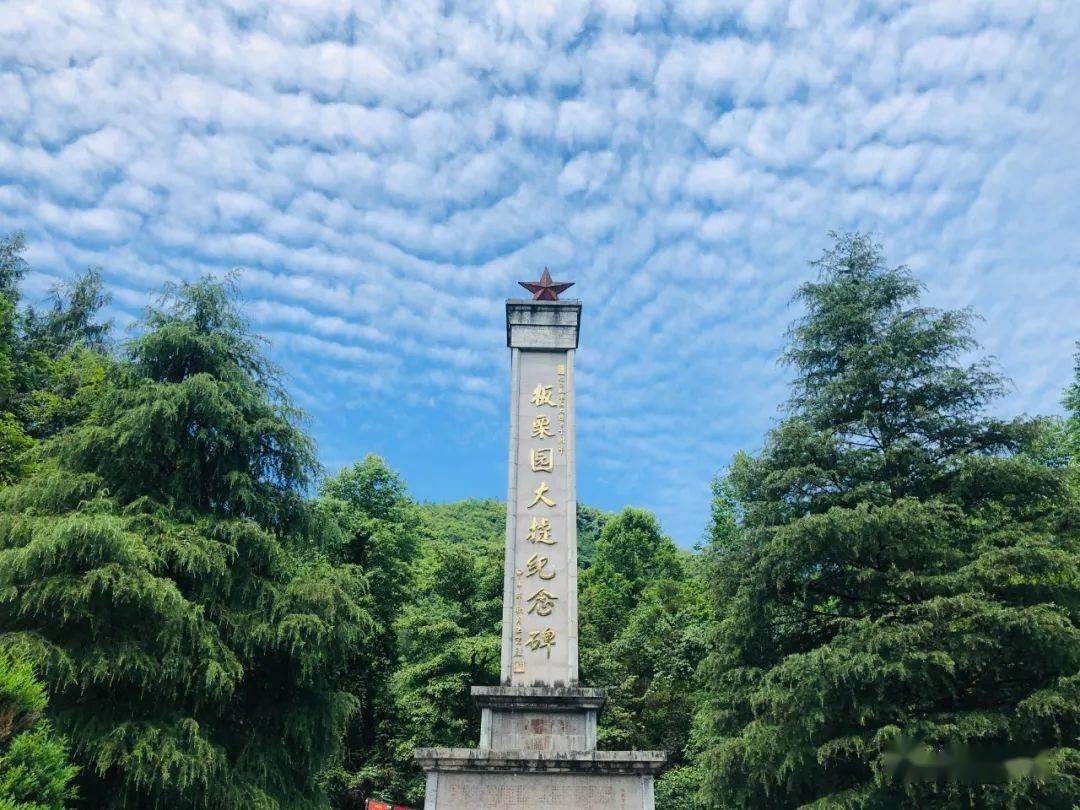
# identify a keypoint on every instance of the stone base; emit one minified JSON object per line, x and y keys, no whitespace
{"x":530,"y":718}
{"x":469,"y":778}
{"x":538,"y":752}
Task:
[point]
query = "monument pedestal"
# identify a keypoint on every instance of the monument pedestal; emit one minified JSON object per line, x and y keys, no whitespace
{"x":538,"y":752}
{"x":532,"y":718}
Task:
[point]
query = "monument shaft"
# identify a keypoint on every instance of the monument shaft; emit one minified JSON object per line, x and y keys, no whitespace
{"x":540,"y":586}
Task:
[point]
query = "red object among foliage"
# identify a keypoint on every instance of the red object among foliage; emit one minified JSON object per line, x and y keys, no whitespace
{"x":375,"y":804}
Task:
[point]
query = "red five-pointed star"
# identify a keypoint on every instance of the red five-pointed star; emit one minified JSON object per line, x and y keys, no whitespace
{"x":545,"y":289}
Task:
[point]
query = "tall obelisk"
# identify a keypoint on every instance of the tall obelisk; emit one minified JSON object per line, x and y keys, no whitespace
{"x":540,"y":588}
{"x":538,"y":728}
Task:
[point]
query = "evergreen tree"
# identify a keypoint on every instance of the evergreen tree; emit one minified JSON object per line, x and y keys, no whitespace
{"x":35,"y":771}
{"x":643,"y":632}
{"x":449,"y":634}
{"x":1071,"y":439}
{"x":379,"y":533}
{"x":590,"y":523}
{"x":48,"y":360}
{"x":898,"y":615}
{"x":12,"y":265}
{"x":71,"y":320}
{"x":163,"y":569}
{"x":13,"y":439}
{"x":64,"y":356}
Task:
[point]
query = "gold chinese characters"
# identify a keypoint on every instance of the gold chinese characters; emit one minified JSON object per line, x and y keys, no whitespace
{"x":541,"y":427}
{"x":547,"y":429}
{"x":540,"y":532}
{"x":541,"y":639}
{"x":543,"y":602}
{"x":542,"y":459}
{"x":541,"y":395}
{"x":534,"y":566}
{"x":541,"y":496}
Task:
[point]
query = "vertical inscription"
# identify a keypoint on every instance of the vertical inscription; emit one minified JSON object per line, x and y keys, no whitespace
{"x":519,"y":611}
{"x":542,"y":460}
{"x":542,"y":644}
{"x":560,"y":373}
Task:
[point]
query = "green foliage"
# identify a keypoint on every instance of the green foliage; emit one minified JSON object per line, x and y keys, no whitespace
{"x":14,"y":444}
{"x":478,"y":524}
{"x":631,"y":554}
{"x":163,"y":570}
{"x":197,"y":418}
{"x":679,"y":788}
{"x":35,"y":771}
{"x":71,"y":320}
{"x":66,"y":388}
{"x":48,"y":361}
{"x":643,"y":632}
{"x":900,"y":574}
{"x":590,"y":524}
{"x":63,"y":357}
{"x":12,"y":265}
{"x":1071,"y":428}
{"x":379,"y":532}
{"x":450,"y":634}
{"x":13,"y":439}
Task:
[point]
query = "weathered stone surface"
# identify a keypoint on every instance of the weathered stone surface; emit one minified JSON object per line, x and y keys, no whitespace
{"x":460,"y":778}
{"x":505,"y":791}
{"x":538,"y":719}
{"x":531,"y":697}
{"x":482,"y":760}
{"x":542,"y":324}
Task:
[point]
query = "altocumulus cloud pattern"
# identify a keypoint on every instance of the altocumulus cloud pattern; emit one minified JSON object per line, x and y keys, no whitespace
{"x":384,"y":172}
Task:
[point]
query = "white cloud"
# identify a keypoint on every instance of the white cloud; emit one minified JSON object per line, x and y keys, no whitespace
{"x":383,"y":174}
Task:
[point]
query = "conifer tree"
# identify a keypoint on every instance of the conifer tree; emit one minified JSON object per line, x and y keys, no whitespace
{"x":449,"y":636}
{"x":899,"y":613}
{"x":48,"y":359}
{"x":379,"y":532}
{"x":13,"y":439}
{"x":643,"y":619}
{"x":35,"y":771}
{"x":1071,"y":431}
{"x":162,"y":568}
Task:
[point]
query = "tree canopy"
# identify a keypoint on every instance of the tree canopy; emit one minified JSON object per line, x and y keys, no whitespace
{"x":35,"y":771}
{"x":642,"y":636}
{"x":154,"y":566}
{"x":904,"y":584}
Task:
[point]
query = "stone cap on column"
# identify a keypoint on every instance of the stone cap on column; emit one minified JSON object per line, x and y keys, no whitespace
{"x":542,"y":324}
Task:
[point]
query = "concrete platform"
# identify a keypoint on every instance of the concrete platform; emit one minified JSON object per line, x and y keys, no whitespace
{"x":470,"y":778}
{"x":489,"y":761}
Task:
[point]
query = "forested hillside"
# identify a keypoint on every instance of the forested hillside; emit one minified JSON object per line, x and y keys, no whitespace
{"x":884,"y":610}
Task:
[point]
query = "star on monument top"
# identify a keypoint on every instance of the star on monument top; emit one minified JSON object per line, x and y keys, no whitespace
{"x":545,"y":289}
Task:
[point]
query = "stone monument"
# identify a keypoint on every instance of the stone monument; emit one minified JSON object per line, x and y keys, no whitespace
{"x":538,"y":728}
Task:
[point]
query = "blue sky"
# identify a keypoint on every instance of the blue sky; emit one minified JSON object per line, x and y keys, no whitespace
{"x":385,"y":172}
